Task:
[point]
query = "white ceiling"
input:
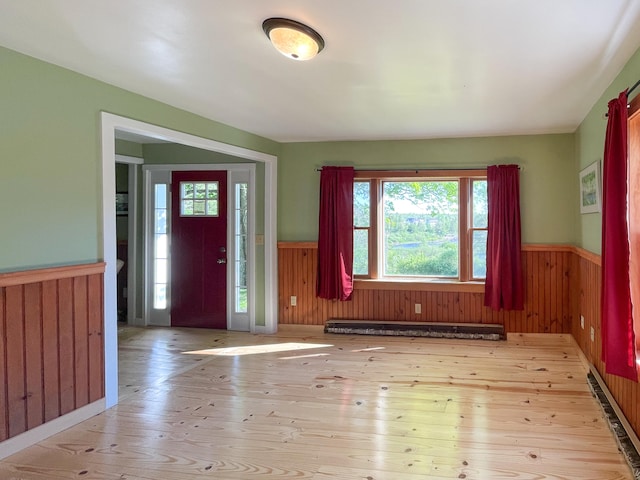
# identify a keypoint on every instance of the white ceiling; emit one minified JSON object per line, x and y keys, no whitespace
{"x":390,"y":69}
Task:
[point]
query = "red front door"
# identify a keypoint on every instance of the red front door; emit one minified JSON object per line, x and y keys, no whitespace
{"x":199,"y":249}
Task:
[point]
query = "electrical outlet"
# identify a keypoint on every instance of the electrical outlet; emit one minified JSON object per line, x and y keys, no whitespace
{"x":294,"y":300}
{"x":418,"y":308}
{"x":593,"y":334}
{"x":582,"y":321}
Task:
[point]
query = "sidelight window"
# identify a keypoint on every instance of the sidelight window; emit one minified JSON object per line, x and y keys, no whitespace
{"x":160,"y":248}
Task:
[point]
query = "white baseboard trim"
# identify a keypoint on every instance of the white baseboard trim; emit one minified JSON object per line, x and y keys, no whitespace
{"x":263,"y":330}
{"x":137,"y":322}
{"x":37,"y":434}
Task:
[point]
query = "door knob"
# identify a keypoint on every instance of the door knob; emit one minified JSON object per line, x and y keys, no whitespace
{"x":222,"y":260}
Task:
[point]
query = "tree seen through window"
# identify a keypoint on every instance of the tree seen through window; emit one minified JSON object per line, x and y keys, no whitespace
{"x":422,"y":227}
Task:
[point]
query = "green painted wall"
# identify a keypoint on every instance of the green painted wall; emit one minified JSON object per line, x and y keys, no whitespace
{"x":590,"y":147}
{"x":50,"y":186}
{"x":548,"y":183}
{"x":130,"y":149}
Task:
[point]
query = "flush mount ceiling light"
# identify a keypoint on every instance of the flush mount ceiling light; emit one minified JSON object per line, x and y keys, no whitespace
{"x":293,"y":39}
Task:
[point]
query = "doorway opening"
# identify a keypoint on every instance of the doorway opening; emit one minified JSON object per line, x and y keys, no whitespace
{"x":127,"y":237}
{"x":110,"y":125}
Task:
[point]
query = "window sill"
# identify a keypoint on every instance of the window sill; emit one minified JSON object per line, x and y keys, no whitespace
{"x":419,"y":285}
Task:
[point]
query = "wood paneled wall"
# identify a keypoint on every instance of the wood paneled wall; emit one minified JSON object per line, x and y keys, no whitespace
{"x":548,"y":294}
{"x":51,"y":347}
{"x":625,"y":392}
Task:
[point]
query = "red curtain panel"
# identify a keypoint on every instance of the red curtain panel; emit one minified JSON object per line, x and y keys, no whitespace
{"x":618,"y":340}
{"x":335,"y":234}
{"x":504,"y":283}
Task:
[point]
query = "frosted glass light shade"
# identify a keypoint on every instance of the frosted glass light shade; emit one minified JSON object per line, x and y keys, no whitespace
{"x":293,"y":39}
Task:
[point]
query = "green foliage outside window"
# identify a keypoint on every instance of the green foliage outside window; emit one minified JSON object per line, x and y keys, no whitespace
{"x":420,"y":228}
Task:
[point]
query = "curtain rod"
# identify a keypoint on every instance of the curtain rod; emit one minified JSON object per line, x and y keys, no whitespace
{"x":629,"y":90}
{"x":416,"y":169}
{"x":405,"y":169}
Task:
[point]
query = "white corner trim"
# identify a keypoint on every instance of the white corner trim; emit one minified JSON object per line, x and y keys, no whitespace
{"x":37,"y":434}
{"x":261,"y":329}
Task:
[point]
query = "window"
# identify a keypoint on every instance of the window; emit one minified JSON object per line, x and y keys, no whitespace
{"x":633,"y":216}
{"x":240,"y":235}
{"x":160,"y":250}
{"x":362,"y":228}
{"x":479,"y":228}
{"x":199,"y":199}
{"x":422,"y":224}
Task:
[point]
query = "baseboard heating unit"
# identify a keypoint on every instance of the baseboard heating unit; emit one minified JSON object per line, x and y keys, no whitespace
{"x":628,"y":442}
{"x":476,"y":331}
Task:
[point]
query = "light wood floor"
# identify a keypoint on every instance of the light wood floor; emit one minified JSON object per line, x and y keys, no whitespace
{"x":350,"y":407}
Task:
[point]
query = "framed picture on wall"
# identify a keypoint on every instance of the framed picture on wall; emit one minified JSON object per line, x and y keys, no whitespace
{"x":590,"y":189}
{"x":122,"y":204}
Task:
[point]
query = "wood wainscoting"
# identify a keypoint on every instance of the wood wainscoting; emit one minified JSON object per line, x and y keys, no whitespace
{"x":548,"y":294}
{"x":52,"y":348}
{"x":625,"y":392}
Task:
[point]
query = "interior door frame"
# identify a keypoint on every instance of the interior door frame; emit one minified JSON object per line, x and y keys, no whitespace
{"x":132,"y":240}
{"x":236,"y":173}
{"x":110,"y":123}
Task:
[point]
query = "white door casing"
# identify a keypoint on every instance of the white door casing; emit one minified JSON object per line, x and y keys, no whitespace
{"x":237,"y":173}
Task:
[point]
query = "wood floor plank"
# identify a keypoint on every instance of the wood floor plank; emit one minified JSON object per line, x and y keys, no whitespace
{"x":242,"y":406}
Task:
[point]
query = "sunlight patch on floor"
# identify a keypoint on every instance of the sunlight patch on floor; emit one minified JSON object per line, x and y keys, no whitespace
{"x":255,"y":349}
{"x":370,"y":349}
{"x":311,"y":355}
